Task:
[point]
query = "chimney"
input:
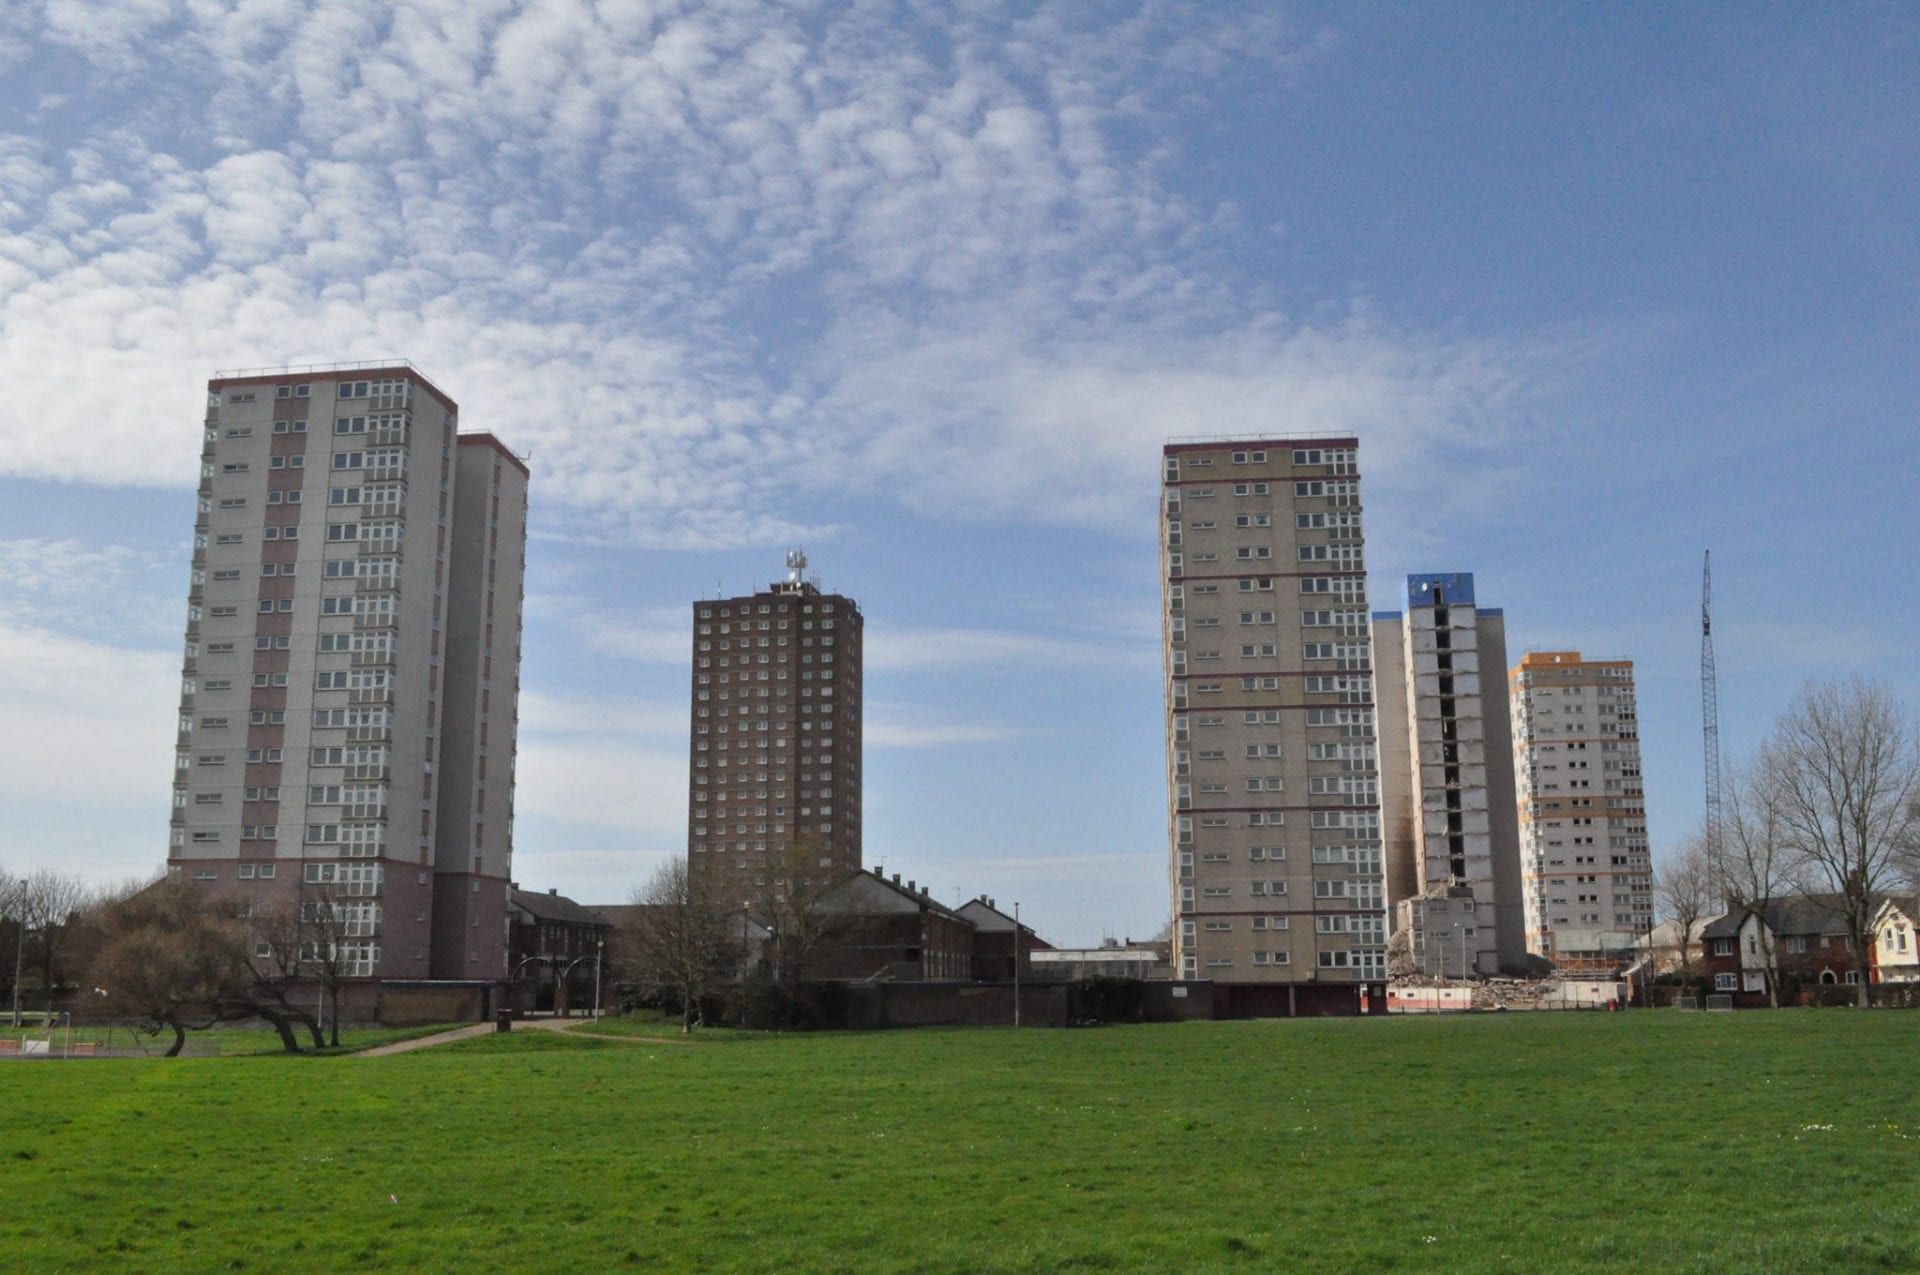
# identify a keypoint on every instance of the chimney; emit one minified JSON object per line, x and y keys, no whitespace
{"x":553,"y":890}
{"x":910,"y":885}
{"x":896,"y":878}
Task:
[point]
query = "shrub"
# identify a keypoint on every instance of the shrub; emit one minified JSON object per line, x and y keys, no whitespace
{"x":1108,"y":1000}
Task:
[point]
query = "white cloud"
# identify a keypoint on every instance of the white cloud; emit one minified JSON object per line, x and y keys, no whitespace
{"x":630,"y":789}
{"x":88,"y":744}
{"x":611,"y":232}
{"x":610,"y":716}
{"x":611,"y":762}
{"x":658,"y":635}
{"x":895,"y":650}
{"x":906,"y":726}
{"x":1007,"y":421}
{"x":71,"y":586}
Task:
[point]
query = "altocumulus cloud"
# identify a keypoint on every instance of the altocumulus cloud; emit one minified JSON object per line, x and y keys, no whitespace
{"x":696,"y":260}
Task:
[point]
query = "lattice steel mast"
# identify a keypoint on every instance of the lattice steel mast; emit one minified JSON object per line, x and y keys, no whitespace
{"x":1710,"y":724}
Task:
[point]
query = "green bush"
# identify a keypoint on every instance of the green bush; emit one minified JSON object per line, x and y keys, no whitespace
{"x":1107,"y":1000}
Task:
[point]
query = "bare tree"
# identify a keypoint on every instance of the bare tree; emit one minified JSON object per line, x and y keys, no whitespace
{"x":49,"y":901}
{"x":681,"y":939}
{"x":1756,"y":861}
{"x":12,"y":909}
{"x":171,"y":957}
{"x":1686,"y":889}
{"x":331,"y":923}
{"x":1844,"y":764}
{"x":798,"y":877}
{"x":279,"y":934}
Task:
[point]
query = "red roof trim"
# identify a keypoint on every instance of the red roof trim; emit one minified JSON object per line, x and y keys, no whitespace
{"x":484,"y":439}
{"x":1256,"y":444}
{"x":358,"y":374}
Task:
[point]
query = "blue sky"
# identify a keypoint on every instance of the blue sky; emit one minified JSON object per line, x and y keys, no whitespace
{"x":923,"y":287}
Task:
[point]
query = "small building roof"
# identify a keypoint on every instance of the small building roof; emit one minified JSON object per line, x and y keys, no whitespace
{"x":556,"y":907}
{"x":1797,"y":914}
{"x":1099,"y":955}
{"x":987,"y":918}
{"x":869,"y":894}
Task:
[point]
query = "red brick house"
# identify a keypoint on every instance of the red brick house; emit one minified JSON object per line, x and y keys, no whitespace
{"x":994,"y":944}
{"x":1801,"y":941}
{"x":890,"y":931}
{"x":551,"y":945}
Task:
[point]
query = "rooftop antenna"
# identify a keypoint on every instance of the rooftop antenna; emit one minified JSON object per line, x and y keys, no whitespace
{"x":796,"y":565}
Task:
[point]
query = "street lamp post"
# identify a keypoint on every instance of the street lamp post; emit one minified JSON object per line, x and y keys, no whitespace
{"x":563,"y":972}
{"x":19,"y":943}
{"x":599,"y":946}
{"x":1016,"y":963}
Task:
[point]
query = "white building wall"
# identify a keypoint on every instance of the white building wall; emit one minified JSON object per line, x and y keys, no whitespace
{"x":1587,"y":872}
{"x":1275,"y":864}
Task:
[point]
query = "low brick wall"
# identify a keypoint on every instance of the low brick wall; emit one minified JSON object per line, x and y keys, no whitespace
{"x":417,"y":1004}
{"x":878,"y":1005}
{"x":1177,"y":1002}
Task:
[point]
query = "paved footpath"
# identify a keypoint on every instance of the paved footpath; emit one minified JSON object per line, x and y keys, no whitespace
{"x":519,"y":1025}
{"x":427,"y":1042}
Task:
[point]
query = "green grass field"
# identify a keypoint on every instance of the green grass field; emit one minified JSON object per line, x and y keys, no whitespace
{"x":1655,"y":1141}
{"x":225,"y":1041}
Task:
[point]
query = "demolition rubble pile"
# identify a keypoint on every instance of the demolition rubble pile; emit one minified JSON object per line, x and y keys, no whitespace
{"x":1500,"y":993}
{"x":1517,"y":993}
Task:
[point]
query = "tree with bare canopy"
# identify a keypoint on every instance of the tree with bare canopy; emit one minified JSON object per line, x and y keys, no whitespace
{"x":1757,"y":863}
{"x":1687,"y":893}
{"x":681,"y":939}
{"x":170,"y":957}
{"x":798,"y":878}
{"x":291,"y":942}
{"x":49,"y":903}
{"x":1843,"y":768}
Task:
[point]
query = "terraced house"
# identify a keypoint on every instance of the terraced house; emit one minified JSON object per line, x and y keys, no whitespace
{"x":350,"y":686}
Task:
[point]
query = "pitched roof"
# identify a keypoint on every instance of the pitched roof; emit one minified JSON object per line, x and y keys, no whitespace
{"x":1724,"y":926}
{"x":986,"y":917}
{"x":554,"y":907}
{"x":868,"y":893}
{"x":1804,"y":914}
{"x":1908,"y":904}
